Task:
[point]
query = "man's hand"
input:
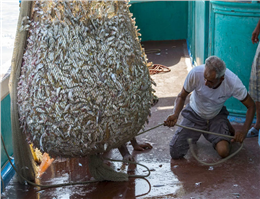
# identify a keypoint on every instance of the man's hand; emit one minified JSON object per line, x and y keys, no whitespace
{"x":239,"y":137}
{"x":142,"y":147}
{"x":171,"y":121}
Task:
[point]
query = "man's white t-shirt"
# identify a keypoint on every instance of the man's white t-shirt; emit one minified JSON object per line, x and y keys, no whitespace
{"x":208,"y":102}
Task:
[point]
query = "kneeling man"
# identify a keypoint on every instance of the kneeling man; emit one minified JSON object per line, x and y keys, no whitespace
{"x":211,"y":85}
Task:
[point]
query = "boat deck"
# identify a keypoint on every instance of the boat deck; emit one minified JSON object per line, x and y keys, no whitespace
{"x":238,"y":177}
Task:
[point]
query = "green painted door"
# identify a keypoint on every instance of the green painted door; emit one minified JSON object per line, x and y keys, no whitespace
{"x":230,"y":29}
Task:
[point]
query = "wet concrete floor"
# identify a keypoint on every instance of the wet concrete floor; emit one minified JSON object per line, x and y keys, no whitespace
{"x":238,"y":177}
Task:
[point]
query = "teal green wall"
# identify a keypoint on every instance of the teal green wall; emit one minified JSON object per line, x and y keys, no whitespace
{"x":161,"y":20}
{"x":230,"y":30}
{"x":6,"y":129}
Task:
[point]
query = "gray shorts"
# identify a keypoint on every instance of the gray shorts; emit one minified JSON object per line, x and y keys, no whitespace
{"x":219,"y":124}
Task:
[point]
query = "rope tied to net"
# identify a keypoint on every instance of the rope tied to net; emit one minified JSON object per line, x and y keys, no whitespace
{"x":191,"y":145}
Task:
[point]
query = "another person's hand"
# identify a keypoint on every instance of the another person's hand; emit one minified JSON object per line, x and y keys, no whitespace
{"x":142,"y":147}
{"x":255,"y":35}
{"x":171,"y":120}
{"x":239,"y":137}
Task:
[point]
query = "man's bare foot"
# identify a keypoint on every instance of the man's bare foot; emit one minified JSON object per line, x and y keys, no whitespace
{"x":142,"y":147}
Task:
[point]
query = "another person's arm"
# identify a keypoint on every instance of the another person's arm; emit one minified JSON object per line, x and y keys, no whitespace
{"x":250,"y":105}
{"x":179,"y":103}
{"x":255,"y":33}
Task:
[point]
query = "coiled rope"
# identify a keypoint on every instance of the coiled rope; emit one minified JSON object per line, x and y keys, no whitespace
{"x":158,"y":68}
{"x":192,"y":148}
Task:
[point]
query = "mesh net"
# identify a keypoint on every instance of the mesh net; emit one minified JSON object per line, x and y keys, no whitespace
{"x":84,"y":86}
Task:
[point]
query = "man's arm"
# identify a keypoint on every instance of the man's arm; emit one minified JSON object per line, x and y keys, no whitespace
{"x":250,"y":105}
{"x":179,"y":103}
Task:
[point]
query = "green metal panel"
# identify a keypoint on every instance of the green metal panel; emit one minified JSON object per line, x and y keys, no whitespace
{"x":161,"y":20}
{"x":6,"y":129}
{"x":230,"y":29}
{"x":191,"y":30}
{"x":198,"y":30}
{"x":201,"y":31}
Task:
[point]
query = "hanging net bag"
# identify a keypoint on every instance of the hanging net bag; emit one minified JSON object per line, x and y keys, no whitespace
{"x":83,"y":87}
